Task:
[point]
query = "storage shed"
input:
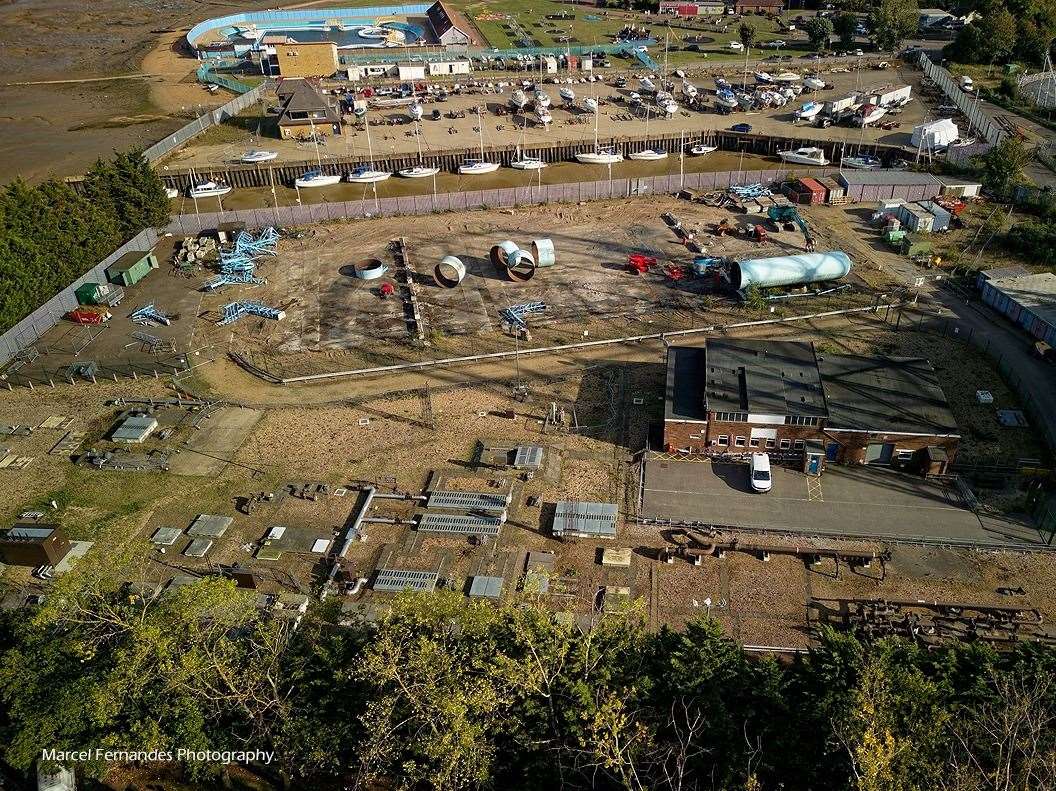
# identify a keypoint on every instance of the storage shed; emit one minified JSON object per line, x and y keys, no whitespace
{"x":135,"y":429}
{"x":916,"y":218}
{"x":941,"y":215}
{"x":132,"y":267}
{"x":1028,"y":300}
{"x":33,"y":545}
{"x":834,"y":191}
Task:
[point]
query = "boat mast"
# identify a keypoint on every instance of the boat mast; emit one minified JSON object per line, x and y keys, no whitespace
{"x":370,"y":148}
{"x":480,"y":129}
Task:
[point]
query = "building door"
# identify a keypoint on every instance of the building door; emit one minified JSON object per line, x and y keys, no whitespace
{"x":878,"y":453}
{"x":832,"y":451}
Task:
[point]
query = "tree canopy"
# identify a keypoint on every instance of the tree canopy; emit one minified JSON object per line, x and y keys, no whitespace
{"x":448,"y":694}
{"x":52,"y":234}
{"x":892,"y":21}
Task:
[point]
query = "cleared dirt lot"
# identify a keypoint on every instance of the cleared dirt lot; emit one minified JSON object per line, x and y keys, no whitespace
{"x":856,"y":501}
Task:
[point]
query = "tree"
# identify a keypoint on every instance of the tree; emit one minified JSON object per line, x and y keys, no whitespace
{"x":845,"y":25}
{"x":129,"y":188}
{"x":818,"y":30}
{"x":1002,"y":166}
{"x":999,"y":33}
{"x":891,"y":22}
{"x":746,"y":33}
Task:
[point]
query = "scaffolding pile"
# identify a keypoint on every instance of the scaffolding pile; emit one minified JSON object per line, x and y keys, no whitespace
{"x":515,"y":315}
{"x":238,"y":265}
{"x":233,"y":311}
{"x":150,"y":315}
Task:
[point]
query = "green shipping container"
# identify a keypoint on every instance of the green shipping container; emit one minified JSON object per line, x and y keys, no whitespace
{"x":132,"y":267}
{"x":87,"y":294}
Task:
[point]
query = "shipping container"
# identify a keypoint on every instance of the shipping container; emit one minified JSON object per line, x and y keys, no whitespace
{"x":809,"y":192}
{"x":99,"y":294}
{"x":834,"y":191}
{"x":132,"y":267}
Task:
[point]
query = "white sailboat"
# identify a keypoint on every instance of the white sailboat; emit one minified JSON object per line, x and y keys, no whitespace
{"x":366,"y":174}
{"x":316,"y":178}
{"x":542,"y":99}
{"x":650,"y":154}
{"x":421,"y":170}
{"x":257,"y":155}
{"x":814,"y":83}
{"x":591,"y":104}
{"x":476,"y":167}
{"x":599,"y":156}
{"x":416,"y":111}
{"x":518,"y":100}
{"x":567,"y":95}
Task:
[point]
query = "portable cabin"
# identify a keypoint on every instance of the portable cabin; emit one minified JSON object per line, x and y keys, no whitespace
{"x":941,"y":215}
{"x":132,"y":267}
{"x":916,"y":218}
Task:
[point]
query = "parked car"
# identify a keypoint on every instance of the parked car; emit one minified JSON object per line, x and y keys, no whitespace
{"x":736,"y":46}
{"x":744,"y":128}
{"x":759,"y":473}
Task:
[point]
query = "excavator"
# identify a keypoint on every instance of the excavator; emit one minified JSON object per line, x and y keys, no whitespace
{"x":780,"y":215}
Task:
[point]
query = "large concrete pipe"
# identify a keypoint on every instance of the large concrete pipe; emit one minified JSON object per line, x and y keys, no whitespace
{"x":521,"y":266}
{"x":501,"y":253}
{"x":543,"y":252}
{"x":449,"y":272}
{"x":369,"y":269}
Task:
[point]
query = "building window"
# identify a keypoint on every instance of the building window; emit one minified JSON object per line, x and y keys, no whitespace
{"x":904,"y":455}
{"x":797,"y":445}
{"x":731,"y":417}
{"x":800,"y":420}
{"x":754,"y":442}
{"x":739,"y":442}
{"x":724,"y":439}
{"x":769,"y":443}
{"x":786,"y":444}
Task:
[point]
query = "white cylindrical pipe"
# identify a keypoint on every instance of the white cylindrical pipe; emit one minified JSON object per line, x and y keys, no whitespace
{"x":449,"y":272}
{"x":501,"y":253}
{"x":543,"y":252}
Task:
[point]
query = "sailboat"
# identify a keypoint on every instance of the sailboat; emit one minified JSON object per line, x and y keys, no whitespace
{"x":599,"y":156}
{"x":316,"y":177}
{"x":421,"y":170}
{"x":591,"y":104}
{"x":522,"y":162}
{"x":814,"y":82}
{"x":567,"y":95}
{"x":366,"y":174}
{"x":699,"y":149}
{"x":476,"y":167}
{"x":648,"y":154}
{"x":415,"y":111}
{"x":518,"y":100}
{"x":257,"y":155}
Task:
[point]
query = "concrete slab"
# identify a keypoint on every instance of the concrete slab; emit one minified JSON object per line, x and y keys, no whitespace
{"x":860,"y":501}
{"x":209,"y":525}
{"x":217,"y":440}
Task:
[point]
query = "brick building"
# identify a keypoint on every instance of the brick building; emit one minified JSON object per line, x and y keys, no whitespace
{"x":312,"y":59}
{"x":740,"y":396}
{"x":448,"y":31}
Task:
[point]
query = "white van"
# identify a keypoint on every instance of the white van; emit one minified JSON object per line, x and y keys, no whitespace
{"x":967,"y":85}
{"x":759,"y":473}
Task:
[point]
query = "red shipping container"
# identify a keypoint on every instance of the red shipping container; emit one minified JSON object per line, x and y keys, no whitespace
{"x":810,"y":191}
{"x":687,"y":10}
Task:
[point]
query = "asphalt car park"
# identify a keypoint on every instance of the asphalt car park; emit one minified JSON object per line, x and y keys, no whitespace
{"x":868,"y":502}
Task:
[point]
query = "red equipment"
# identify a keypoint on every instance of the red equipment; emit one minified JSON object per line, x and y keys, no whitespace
{"x":675,"y":273}
{"x":386,"y":290}
{"x":760,"y":233}
{"x":88,"y":315}
{"x":640,"y":263}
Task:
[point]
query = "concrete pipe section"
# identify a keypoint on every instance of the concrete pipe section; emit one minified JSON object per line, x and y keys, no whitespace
{"x":449,"y":272}
{"x":543,"y":252}
{"x":501,"y":253}
{"x":521,"y":266}
{"x":369,"y":269}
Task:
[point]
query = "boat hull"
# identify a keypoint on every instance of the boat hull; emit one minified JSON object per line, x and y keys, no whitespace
{"x":323,"y":181}
{"x":478,"y":169}
{"x":528,"y":164}
{"x":370,"y":177}
{"x":418,"y":173}
{"x":599,"y":159}
{"x":647,"y":156}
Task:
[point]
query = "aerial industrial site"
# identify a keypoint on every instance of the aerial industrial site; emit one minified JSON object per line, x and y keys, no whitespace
{"x":404,"y":320}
